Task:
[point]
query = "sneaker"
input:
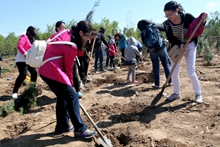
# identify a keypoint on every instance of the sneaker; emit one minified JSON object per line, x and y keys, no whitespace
{"x":70,"y":129}
{"x":198,"y":99}
{"x":14,"y":95}
{"x":135,"y":82}
{"x":155,"y":86}
{"x":169,"y":84}
{"x":103,"y":70}
{"x":85,"y":135}
{"x":128,"y":81}
{"x":79,"y":94}
{"x":173,"y":96}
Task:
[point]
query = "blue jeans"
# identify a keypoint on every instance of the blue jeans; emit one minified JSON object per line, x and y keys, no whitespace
{"x":98,"y":55}
{"x":67,"y":106}
{"x":107,"y":58}
{"x":163,"y":56}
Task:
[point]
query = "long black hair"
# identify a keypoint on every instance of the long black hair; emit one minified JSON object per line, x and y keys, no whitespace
{"x":172,"y":6}
{"x":83,"y":26}
{"x":31,"y":33}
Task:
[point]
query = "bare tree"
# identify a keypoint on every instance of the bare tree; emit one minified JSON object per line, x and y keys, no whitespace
{"x":90,"y":14}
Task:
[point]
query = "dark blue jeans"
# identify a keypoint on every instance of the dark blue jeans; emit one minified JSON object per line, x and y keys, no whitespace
{"x":98,"y":55}
{"x":67,"y":106}
{"x":75,"y":77}
{"x":107,"y":58}
{"x":163,"y":56}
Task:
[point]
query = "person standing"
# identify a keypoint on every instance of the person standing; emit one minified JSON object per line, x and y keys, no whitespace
{"x":98,"y":50}
{"x":176,"y":26}
{"x":58,"y":74}
{"x":157,"y":53}
{"x":139,"y":46}
{"x":130,"y":59}
{"x":121,"y":39}
{"x":24,"y":44}
{"x":1,"y":59}
{"x":112,"y":52}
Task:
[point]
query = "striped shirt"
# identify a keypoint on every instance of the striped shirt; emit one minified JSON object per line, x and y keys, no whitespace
{"x":178,"y":30}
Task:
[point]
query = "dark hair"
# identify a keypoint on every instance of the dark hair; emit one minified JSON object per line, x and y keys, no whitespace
{"x":173,"y":5}
{"x":31,"y":34}
{"x":142,"y":24}
{"x":94,"y":32}
{"x":58,"y":24}
{"x":119,"y":35}
{"x":102,"y":30}
{"x":83,"y":26}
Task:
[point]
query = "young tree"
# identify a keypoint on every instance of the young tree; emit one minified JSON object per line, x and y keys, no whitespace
{"x":10,"y":44}
{"x":208,"y":54}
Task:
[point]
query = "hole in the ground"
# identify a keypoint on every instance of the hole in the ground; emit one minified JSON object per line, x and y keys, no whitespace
{"x":123,"y":139}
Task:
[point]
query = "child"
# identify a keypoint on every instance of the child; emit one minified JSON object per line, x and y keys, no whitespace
{"x":112,"y":53}
{"x":130,"y":59}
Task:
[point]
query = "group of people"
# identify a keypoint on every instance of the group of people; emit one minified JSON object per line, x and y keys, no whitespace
{"x":60,"y":74}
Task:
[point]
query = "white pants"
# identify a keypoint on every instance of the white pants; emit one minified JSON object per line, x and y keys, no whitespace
{"x":190,"y":57}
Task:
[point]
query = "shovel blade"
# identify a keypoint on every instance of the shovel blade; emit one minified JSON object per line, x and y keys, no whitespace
{"x":105,"y":143}
{"x":156,"y":99}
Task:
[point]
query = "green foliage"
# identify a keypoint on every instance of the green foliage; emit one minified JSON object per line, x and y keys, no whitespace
{"x":208,"y":54}
{"x":27,"y":99}
{"x":7,"y":108}
{"x":23,"y":103}
{"x":4,"y":70}
{"x":110,"y":27}
{"x":199,"y":46}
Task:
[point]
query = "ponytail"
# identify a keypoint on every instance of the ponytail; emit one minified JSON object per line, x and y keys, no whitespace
{"x":83,"y":26}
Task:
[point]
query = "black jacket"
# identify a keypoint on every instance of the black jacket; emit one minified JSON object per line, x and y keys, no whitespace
{"x":187,"y":20}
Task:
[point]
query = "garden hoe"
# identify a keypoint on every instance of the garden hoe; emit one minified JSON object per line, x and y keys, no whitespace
{"x":103,"y":140}
{"x":158,"y":97}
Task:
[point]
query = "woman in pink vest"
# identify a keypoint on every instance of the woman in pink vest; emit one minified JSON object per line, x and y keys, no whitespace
{"x":24,"y":44}
{"x":58,"y":74}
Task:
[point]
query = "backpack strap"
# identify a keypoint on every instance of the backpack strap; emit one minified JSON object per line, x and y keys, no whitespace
{"x":63,"y":42}
{"x":49,"y":40}
{"x":58,"y":42}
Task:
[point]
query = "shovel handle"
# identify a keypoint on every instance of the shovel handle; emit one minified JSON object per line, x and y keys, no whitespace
{"x":95,"y":126}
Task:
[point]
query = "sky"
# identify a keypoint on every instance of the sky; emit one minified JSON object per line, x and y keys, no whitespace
{"x":17,"y":15}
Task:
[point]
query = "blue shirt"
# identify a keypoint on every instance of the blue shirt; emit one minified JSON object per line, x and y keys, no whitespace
{"x":122,"y":42}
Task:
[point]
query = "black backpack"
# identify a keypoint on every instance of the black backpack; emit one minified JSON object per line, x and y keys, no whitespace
{"x":150,"y":35}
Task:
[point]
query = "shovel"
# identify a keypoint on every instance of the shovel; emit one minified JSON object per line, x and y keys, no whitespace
{"x":90,"y":59}
{"x":158,"y":97}
{"x":103,"y":140}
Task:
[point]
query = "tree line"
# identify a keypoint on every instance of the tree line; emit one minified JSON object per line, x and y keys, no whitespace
{"x":211,"y":34}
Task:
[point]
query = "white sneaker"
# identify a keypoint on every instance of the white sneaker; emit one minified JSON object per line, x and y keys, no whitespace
{"x":198,"y":99}
{"x":173,"y":96}
{"x":14,"y":95}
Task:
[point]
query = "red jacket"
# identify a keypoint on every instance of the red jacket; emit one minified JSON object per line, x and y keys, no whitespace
{"x":112,"y":51}
{"x":80,"y":53}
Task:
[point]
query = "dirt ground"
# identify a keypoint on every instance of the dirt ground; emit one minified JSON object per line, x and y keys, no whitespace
{"x":122,"y":111}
